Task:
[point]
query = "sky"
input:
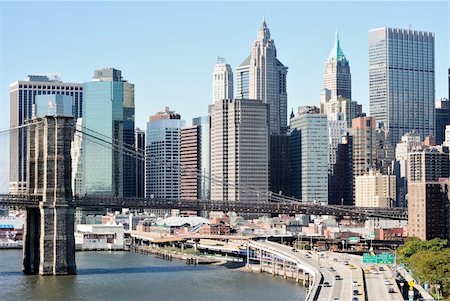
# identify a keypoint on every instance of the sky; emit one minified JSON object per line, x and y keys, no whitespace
{"x":169,"y":49}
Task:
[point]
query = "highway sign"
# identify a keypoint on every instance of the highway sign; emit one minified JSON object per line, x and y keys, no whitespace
{"x":385,"y":258}
{"x":367,"y":258}
{"x":370,"y":235}
{"x":353,"y":240}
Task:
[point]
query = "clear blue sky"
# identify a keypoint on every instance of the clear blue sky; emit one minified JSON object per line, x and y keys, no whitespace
{"x":168,"y":49}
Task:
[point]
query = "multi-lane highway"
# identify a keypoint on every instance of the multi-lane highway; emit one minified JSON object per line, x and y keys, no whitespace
{"x":344,"y":276}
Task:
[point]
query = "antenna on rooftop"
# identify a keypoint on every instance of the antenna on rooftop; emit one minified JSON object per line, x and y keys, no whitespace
{"x":221,"y":60}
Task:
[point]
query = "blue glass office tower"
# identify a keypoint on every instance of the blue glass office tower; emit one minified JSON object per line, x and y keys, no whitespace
{"x":108,"y":135}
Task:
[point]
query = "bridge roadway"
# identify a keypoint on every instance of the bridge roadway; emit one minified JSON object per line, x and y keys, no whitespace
{"x":90,"y":202}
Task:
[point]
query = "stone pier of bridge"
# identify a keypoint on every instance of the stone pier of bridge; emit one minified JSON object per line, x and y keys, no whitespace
{"x":49,"y":242}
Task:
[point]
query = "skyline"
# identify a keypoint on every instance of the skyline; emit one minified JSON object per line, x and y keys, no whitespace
{"x":187,"y":44}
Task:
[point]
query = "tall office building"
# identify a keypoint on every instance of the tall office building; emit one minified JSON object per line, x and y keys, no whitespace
{"x":428,"y":193}
{"x":204,"y":124}
{"x":337,"y":77}
{"x":442,"y":118}
{"x":279,"y":167}
{"x":139,"y":143}
{"x":190,"y":163}
{"x":410,"y":141}
{"x":263,"y":77}
{"x":346,"y":109}
{"x":108,"y":114}
{"x":340,"y":191}
{"x":76,"y":153}
{"x":364,"y":146}
{"x":309,"y":155}
{"x":401,"y":75}
{"x":239,"y":150}
{"x":222,"y":81}
{"x":22,"y":98}
{"x":162,"y":152}
{"x":337,"y":128}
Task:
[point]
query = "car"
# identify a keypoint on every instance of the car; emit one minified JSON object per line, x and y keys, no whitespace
{"x":331,"y":269}
{"x":367,"y":271}
{"x":355,"y":283}
{"x":335,"y":259}
{"x":294,"y":250}
{"x":307,"y":256}
{"x":355,"y":299}
{"x":345,"y":262}
{"x":381,"y":269}
{"x":336,"y":299}
{"x":391,"y":290}
{"x":337,"y":277}
{"x":387,"y":282}
{"x":326,"y":284}
{"x":355,"y":292}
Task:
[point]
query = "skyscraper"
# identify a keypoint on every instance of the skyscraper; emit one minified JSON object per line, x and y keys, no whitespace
{"x":204,"y":124}
{"x":76,"y":153}
{"x":108,"y":114}
{"x":239,"y":150}
{"x":309,"y":140}
{"x":162,"y":155}
{"x":337,"y":77}
{"x":263,"y":77}
{"x":442,"y":118}
{"x":222,"y":81}
{"x":364,"y":146}
{"x":190,"y":163}
{"x":22,"y":99}
{"x":139,"y":143}
{"x":401,"y":75}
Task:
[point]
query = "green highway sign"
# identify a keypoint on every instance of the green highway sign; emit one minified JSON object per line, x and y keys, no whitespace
{"x":353,"y":239}
{"x":384,"y":258}
{"x":367,"y":258}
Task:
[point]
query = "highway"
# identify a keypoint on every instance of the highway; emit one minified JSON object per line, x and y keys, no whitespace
{"x":349,"y":286}
{"x":342,"y":289}
{"x":377,"y":281}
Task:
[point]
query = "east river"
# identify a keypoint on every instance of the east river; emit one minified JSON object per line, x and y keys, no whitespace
{"x":130,"y":276}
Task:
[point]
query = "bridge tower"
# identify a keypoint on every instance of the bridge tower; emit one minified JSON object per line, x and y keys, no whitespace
{"x":49,"y":242}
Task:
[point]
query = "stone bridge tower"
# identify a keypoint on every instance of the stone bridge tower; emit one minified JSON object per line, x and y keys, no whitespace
{"x":49,"y":242}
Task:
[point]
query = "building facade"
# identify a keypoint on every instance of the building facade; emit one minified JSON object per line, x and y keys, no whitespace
{"x":442,"y":118}
{"x":139,"y":144}
{"x":204,"y":124}
{"x":263,"y":77}
{"x":239,"y":150}
{"x":190,"y":163}
{"x":402,"y":76}
{"x":364,"y":145}
{"x":279,"y":165}
{"x":375,"y":190}
{"x":108,"y":135}
{"x":22,"y":98}
{"x":76,"y":153}
{"x":162,"y":152}
{"x":222,"y":81}
{"x":309,"y":129}
{"x":340,"y":185}
{"x":337,"y":77}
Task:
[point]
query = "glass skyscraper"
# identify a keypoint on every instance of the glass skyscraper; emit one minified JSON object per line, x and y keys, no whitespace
{"x":108,"y":125}
{"x":401,"y":75}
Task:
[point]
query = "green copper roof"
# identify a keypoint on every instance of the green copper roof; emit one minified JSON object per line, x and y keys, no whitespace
{"x":337,"y":52}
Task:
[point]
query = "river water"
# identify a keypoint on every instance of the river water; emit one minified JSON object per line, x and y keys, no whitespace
{"x":130,"y":276}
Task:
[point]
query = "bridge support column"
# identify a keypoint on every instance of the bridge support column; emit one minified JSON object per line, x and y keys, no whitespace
{"x":31,"y":241}
{"x":49,"y":239}
{"x":57,"y":242}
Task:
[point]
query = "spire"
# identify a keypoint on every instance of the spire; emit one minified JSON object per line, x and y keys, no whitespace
{"x":336,"y":52}
{"x":264,"y":33}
